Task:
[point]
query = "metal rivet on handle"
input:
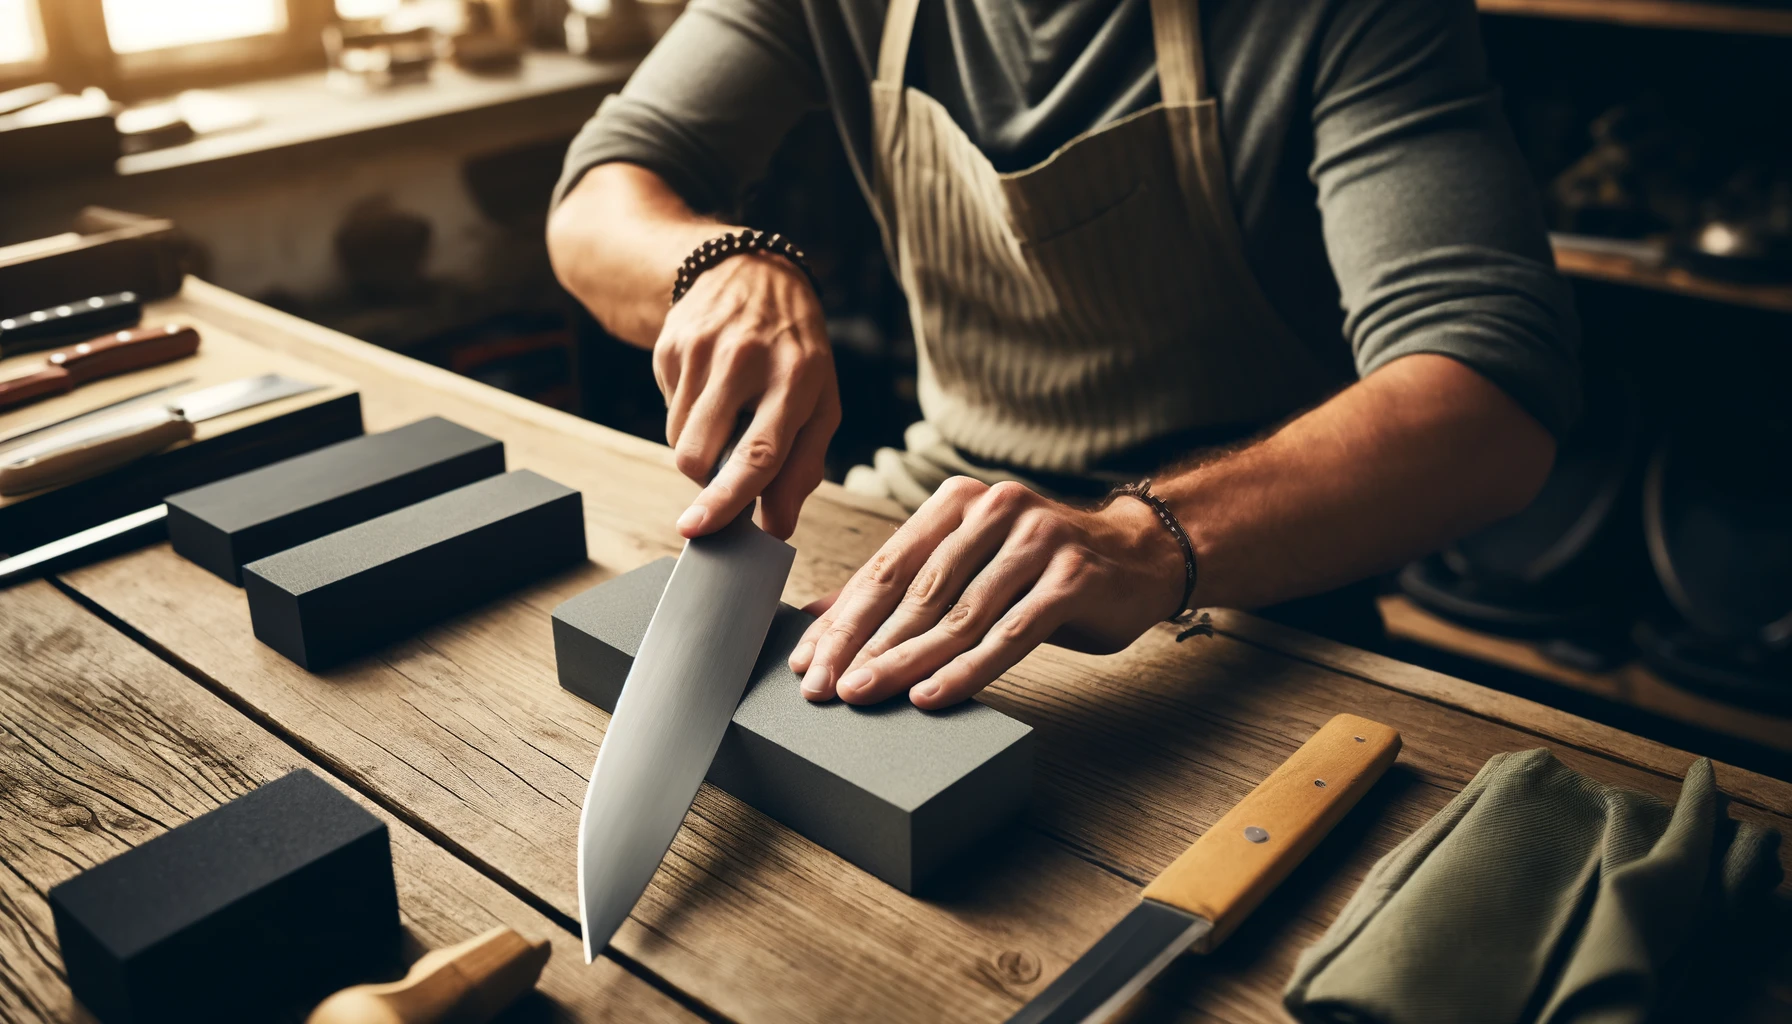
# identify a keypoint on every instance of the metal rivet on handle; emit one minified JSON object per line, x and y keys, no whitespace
{"x":1256,"y":835}
{"x":1319,"y":782}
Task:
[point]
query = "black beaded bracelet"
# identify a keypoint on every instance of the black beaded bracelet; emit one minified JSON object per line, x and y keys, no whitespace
{"x":736,"y":243}
{"x":1142,"y":491}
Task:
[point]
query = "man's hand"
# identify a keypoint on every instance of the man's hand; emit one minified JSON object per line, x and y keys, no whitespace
{"x":748,"y":335}
{"x":978,"y":577}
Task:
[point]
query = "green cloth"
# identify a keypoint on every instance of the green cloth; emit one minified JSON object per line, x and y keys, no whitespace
{"x":1539,"y":895}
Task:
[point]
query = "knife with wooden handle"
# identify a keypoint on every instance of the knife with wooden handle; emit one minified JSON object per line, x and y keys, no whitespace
{"x":68,"y":321}
{"x":76,"y":453}
{"x":105,"y":356}
{"x":466,"y":984}
{"x":1208,"y":891}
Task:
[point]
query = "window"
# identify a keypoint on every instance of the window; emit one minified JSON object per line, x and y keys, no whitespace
{"x":139,"y":26}
{"x":21,"y":33}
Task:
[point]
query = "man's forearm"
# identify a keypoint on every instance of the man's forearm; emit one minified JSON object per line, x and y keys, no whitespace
{"x":1397,"y":465}
{"x":616,"y":242}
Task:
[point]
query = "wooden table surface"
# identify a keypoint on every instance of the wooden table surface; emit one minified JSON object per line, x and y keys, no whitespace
{"x":133,"y":697}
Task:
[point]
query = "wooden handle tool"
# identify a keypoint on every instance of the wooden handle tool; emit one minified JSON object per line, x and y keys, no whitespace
{"x":462,"y":984}
{"x":1204,"y":894}
{"x":1247,"y":853}
{"x":104,"y":356}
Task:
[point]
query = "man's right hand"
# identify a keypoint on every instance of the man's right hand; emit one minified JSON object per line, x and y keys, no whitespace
{"x":749,"y":335}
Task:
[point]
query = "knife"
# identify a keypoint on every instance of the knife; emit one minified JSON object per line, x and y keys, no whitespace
{"x":127,"y":531}
{"x":680,"y":694}
{"x":89,"y":448}
{"x":11,"y":441}
{"x":68,"y":321}
{"x":1205,"y":893}
{"x":105,"y":356}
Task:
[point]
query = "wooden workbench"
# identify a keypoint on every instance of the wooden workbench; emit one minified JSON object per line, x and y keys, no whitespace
{"x":133,"y":696}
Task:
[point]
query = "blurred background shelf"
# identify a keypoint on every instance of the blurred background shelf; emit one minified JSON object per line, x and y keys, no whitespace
{"x":1759,"y":737}
{"x":1670,"y":14}
{"x":1589,"y":264}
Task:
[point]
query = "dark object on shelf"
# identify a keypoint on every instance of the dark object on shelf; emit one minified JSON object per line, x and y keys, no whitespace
{"x":104,"y":251}
{"x":1748,"y":251}
{"x":348,"y":592}
{"x":39,"y":518}
{"x":63,"y":136}
{"x":225,"y":525}
{"x":896,"y":790}
{"x":363,"y":53}
{"x":491,"y":42}
{"x":156,"y":126}
{"x":1718,"y":521}
{"x":278,"y":896}
{"x":33,"y":330}
{"x":1570,"y":564}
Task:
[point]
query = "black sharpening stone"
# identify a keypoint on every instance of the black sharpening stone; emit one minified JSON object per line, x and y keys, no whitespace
{"x":351,"y":591}
{"x":228,"y":524}
{"x":285,"y":893}
{"x":896,"y":790}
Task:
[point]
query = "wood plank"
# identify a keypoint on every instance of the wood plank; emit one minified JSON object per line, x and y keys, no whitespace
{"x":1618,"y":269}
{"x":466,"y":731}
{"x":1631,"y":684}
{"x":108,"y":747}
{"x":1696,"y":15}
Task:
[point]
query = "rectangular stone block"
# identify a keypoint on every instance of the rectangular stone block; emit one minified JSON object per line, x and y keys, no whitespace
{"x":351,"y":591}
{"x":898,"y":791}
{"x":226,"y":525}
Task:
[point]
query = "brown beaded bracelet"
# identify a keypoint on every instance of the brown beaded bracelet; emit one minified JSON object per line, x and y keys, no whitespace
{"x":1142,"y":491}
{"x":736,"y":243}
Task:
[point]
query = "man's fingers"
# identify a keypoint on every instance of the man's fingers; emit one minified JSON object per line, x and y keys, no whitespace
{"x":683,"y":381}
{"x":782,"y":499}
{"x":754,"y":463}
{"x":866,"y":600}
{"x":1013,"y":571}
{"x":1024,"y":627}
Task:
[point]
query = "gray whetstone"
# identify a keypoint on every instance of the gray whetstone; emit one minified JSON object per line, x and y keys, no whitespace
{"x":225,"y":525}
{"x":896,"y":790}
{"x":348,"y":592}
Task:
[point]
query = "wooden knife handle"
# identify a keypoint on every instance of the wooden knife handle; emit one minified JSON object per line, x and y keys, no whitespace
{"x":29,"y":387}
{"x":467,"y":984}
{"x":1247,"y":853}
{"x":125,"y":351}
{"x":91,"y":451}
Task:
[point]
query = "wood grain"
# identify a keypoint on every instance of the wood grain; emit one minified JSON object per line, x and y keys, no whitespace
{"x":109,"y":747}
{"x":465,"y":730}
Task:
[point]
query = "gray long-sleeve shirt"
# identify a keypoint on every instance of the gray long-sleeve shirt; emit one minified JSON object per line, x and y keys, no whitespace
{"x":1383,"y":201}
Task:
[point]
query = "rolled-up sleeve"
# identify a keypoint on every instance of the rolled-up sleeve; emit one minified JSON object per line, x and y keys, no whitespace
{"x":706,"y":109}
{"x":1432,"y":222}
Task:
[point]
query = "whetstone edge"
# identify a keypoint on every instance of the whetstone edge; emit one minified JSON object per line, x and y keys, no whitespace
{"x":898,"y":791}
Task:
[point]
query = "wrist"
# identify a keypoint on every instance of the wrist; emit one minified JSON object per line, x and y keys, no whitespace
{"x":1152,"y":552}
{"x":727,"y":246}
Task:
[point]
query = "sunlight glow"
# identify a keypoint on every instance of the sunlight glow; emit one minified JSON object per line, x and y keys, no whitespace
{"x":20,"y":38}
{"x":135,"y":26}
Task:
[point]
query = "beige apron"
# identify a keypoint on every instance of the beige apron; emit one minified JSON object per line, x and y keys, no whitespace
{"x":1092,"y":304}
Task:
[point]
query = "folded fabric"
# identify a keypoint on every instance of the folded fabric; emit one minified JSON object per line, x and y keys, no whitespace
{"x":1537,"y":895}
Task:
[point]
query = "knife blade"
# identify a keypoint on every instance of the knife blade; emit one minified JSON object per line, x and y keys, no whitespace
{"x":1215,"y":884}
{"x":689,"y":675}
{"x":11,"y":441}
{"x":138,"y":527}
{"x":105,"y":356}
{"x":89,"y":448}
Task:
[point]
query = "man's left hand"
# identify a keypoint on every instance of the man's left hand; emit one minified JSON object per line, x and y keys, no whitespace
{"x":978,"y":577}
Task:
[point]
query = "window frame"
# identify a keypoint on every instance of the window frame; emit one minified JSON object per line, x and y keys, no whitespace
{"x":78,"y":53}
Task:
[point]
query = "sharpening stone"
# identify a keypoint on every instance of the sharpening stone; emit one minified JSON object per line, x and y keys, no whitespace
{"x":225,"y":525}
{"x":281,"y":895}
{"x":896,"y":790}
{"x":351,"y":591}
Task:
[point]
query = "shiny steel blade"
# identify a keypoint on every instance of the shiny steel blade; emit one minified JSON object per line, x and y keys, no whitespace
{"x":33,"y":562}
{"x":681,"y":692}
{"x":1105,"y":978}
{"x":239,"y":394}
{"x":14,"y":440}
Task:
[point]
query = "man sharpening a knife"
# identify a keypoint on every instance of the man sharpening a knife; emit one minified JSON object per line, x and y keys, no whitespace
{"x":1269,"y":276}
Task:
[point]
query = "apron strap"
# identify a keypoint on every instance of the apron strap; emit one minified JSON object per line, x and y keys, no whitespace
{"x":1181,"y":62}
{"x":892,"y":51}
